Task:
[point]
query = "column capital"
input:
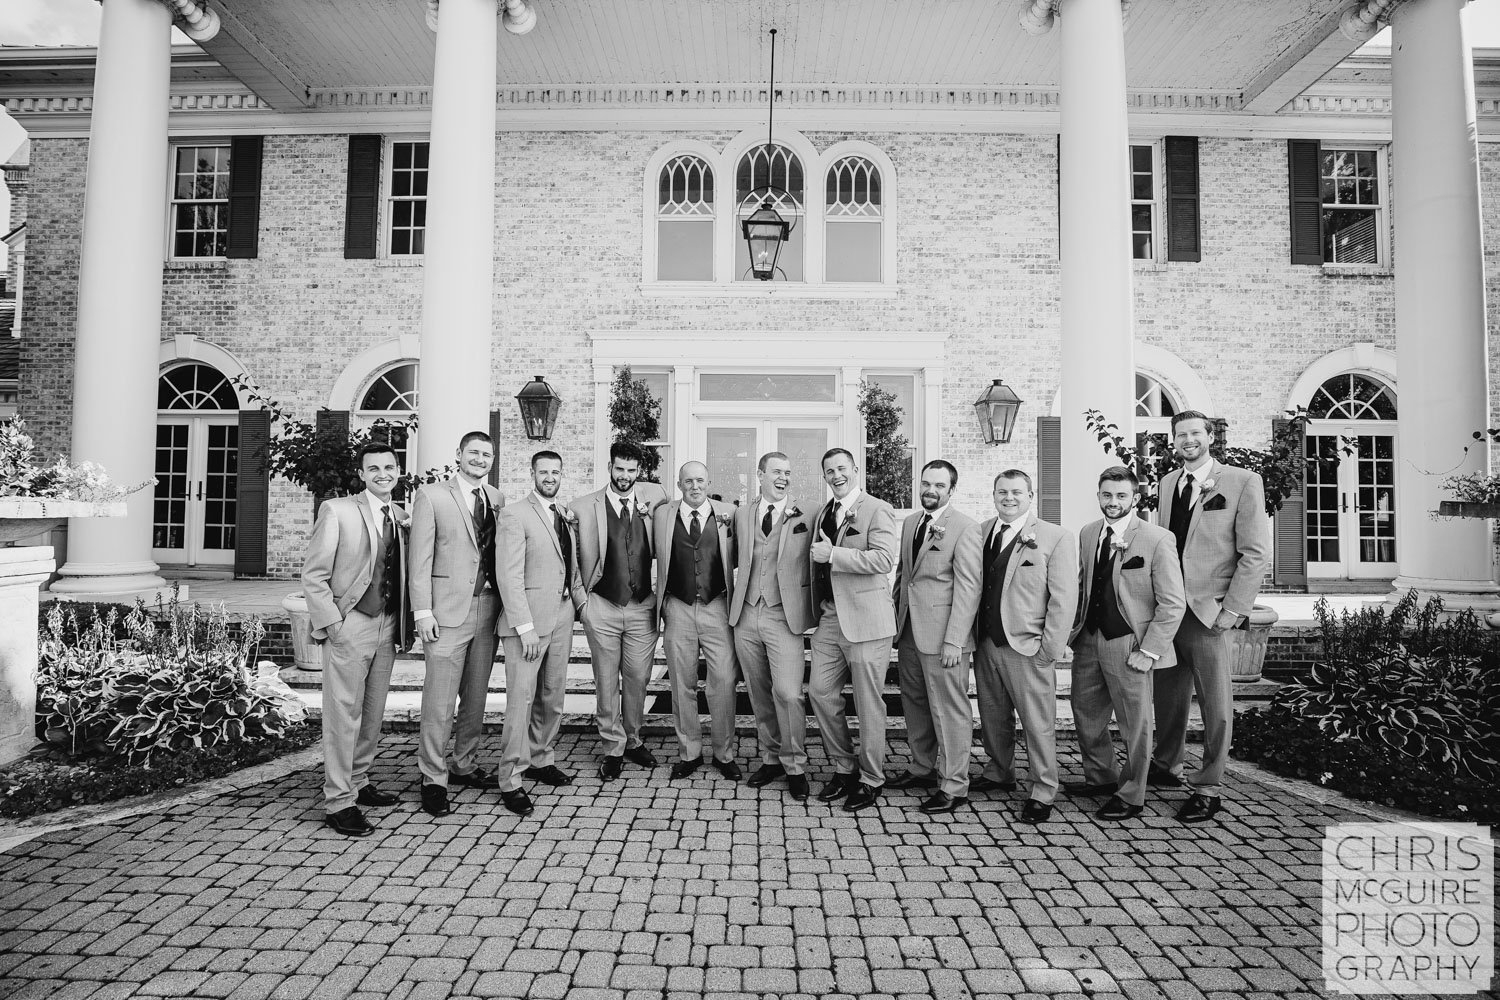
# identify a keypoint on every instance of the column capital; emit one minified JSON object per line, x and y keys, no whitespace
{"x":194,"y":17}
{"x":1362,"y":21}
{"x":520,"y":17}
{"x":1038,"y":17}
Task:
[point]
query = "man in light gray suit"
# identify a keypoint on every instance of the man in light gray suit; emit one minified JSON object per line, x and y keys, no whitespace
{"x":854,"y":551}
{"x":1130,"y":604}
{"x":1218,"y":515}
{"x":615,"y":557}
{"x":770,"y":607}
{"x":537,"y":570}
{"x":937,"y":595}
{"x":695,"y":571}
{"x":1026,"y":607}
{"x":455,"y":603}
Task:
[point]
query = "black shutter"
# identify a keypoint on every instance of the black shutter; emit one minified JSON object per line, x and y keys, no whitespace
{"x":495,"y":437}
{"x":1305,"y":157}
{"x":1289,"y":532}
{"x":1049,"y":469}
{"x":361,"y":215}
{"x":1183,"y":238}
{"x":253,"y":494}
{"x":244,"y":195}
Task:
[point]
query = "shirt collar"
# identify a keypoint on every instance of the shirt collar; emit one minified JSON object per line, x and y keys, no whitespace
{"x":1000,"y":524}
{"x":1121,"y":526}
{"x":376,"y":503}
{"x":619,"y":498}
{"x":703,"y":511}
{"x":848,"y":501}
{"x":1204,"y":470}
{"x":543,"y":500}
{"x":933,"y":515}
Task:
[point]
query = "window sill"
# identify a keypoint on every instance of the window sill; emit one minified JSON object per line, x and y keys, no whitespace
{"x":196,"y":264}
{"x":766,"y":290}
{"x":410,"y":260}
{"x":1148,"y":265}
{"x":1357,"y":270}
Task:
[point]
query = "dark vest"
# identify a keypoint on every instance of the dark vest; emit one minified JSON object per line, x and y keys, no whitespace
{"x":627,"y":556}
{"x":1103,"y":613}
{"x":991,"y":624}
{"x":697,"y":573}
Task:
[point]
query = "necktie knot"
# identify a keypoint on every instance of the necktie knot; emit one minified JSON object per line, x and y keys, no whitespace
{"x":1187,"y":483}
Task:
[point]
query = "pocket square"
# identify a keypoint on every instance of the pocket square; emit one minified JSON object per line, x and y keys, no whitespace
{"x":1215,"y":502}
{"x":1027,"y":563}
{"x":799,"y":529}
{"x":851,"y":532}
{"x":1135,"y":562}
{"x":933,"y":548}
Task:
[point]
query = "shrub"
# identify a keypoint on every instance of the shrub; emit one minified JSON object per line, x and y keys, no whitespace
{"x":887,"y":452}
{"x":635,"y":415}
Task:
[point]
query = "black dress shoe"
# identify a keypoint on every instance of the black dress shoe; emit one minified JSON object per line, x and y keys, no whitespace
{"x":435,"y":800}
{"x":728,"y":769}
{"x":1199,"y":808}
{"x":1160,"y":777}
{"x":683,"y":768}
{"x":610,"y":767}
{"x":942,"y":802}
{"x":910,"y":779}
{"x":983,"y":784}
{"x":350,"y":822}
{"x":765,"y":774}
{"x":1118,"y":810}
{"x":839,"y":786}
{"x":640,"y":755}
{"x":549,"y":775}
{"x":372,"y":796}
{"x":862,"y":797}
{"x":1087,"y":789}
{"x":517,"y":802}
{"x":477,"y":778}
{"x":1036,"y":812}
{"x":796,"y":787}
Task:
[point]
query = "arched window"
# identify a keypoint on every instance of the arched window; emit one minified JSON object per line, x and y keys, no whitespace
{"x":1353,"y":397}
{"x":685,"y":220}
{"x":196,"y":497}
{"x":390,"y":400}
{"x":779,"y":168}
{"x":1152,"y":399}
{"x":195,"y":387}
{"x":854,"y":213}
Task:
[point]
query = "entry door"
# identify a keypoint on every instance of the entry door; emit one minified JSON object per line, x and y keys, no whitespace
{"x":197,"y":482}
{"x":731,"y":448}
{"x":1351,"y":513}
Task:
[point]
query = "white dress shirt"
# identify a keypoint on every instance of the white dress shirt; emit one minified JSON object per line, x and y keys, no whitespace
{"x":377,"y":524}
{"x":704,"y":514}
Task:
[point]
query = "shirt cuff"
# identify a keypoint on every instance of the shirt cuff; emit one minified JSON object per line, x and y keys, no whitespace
{"x":420,"y":615}
{"x":1154,"y":656}
{"x":526,"y":629}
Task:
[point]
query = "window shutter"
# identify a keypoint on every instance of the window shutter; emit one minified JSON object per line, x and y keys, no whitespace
{"x":244,"y":195}
{"x":1049,"y":469}
{"x":1289,"y":544}
{"x":495,"y":435}
{"x":1183,"y":237}
{"x":253,"y":496}
{"x":361,"y":215}
{"x":1304,"y":157}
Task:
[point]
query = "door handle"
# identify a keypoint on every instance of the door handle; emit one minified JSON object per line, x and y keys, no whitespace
{"x":200,"y":489}
{"x":1343,"y":503}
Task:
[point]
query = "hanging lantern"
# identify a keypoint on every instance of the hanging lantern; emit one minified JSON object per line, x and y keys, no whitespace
{"x":996,"y":409}
{"x":539,"y":404}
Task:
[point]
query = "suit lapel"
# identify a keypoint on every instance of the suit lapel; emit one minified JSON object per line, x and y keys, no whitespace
{"x":466,"y":515}
{"x":846,"y":522}
{"x":545,"y":516}
{"x":372,"y":527}
{"x":786,"y":527}
{"x":1017,"y":556}
{"x":664,"y":543}
{"x":1197,"y":506}
{"x":926,"y":547}
{"x":723,"y":531}
{"x":1167,"y":495}
{"x":601,"y":521}
{"x":1129,"y":538}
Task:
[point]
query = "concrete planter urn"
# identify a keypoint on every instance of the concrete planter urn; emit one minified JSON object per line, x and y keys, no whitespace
{"x":1247,"y":646}
{"x":1465,"y":508}
{"x":306,"y":654}
{"x":28,"y":517}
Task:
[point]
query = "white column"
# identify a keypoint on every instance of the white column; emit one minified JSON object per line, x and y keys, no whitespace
{"x":1441,"y":347}
{"x":1098,"y":367}
{"x":458,"y":278}
{"x":119,"y":293}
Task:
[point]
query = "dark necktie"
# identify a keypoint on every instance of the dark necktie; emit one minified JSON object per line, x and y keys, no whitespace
{"x":920,"y":536}
{"x":565,"y":542}
{"x":1107,"y":549}
{"x":998,"y":544}
{"x":484,"y":534}
{"x":1187,"y":489}
{"x":1181,"y":513}
{"x":767,"y":522}
{"x":625,"y":512}
{"x":695,"y":530}
{"x":390,"y":583}
{"x":830,"y":526}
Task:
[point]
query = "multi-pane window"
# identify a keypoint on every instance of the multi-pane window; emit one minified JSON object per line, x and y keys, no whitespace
{"x":685,"y":220}
{"x":1143,"y":206}
{"x":200,"y":201}
{"x":774,"y":175}
{"x":1350,"y":185}
{"x":1353,"y":397}
{"x":388,"y":405}
{"x":406,"y":204}
{"x":853,"y":215}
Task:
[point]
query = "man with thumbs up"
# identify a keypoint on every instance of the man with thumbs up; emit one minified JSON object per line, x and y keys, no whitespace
{"x":855,"y":620}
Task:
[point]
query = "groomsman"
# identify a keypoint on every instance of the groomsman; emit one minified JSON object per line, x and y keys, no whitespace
{"x":452,"y":590}
{"x":1026,"y":610}
{"x":695,"y":560}
{"x":770,"y":608}
{"x":537,"y":572}
{"x":614,"y":556}
{"x":855,"y":620}
{"x":937,"y":594}
{"x":1218,"y":514}
{"x":352,"y":580}
{"x":1130,"y":604}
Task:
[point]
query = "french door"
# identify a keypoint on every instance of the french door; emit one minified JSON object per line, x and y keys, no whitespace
{"x":197,"y":483}
{"x":1351,"y":507}
{"x":732,"y":447}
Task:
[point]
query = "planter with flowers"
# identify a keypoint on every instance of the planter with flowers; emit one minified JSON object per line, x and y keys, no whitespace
{"x":1476,"y":494}
{"x":33,"y":500}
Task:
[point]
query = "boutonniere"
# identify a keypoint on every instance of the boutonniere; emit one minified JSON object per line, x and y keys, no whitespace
{"x":642,"y":508}
{"x":725,"y":520}
{"x":1119,"y":544}
{"x":569,"y":515}
{"x":936,"y":531}
{"x":1028,"y":540}
{"x":849,"y":514}
{"x":792,"y":511}
{"x":1208,"y":484}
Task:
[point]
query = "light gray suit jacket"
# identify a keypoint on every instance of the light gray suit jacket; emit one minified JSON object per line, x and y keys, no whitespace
{"x":529,"y":570}
{"x":593,"y":527}
{"x":1148,"y":585}
{"x":792,"y":559}
{"x":1039,"y":595}
{"x":341,"y":558}
{"x":666,"y":522}
{"x":445,"y":553}
{"x":1228,"y":540}
{"x":939,"y":590}
{"x":863,"y":554}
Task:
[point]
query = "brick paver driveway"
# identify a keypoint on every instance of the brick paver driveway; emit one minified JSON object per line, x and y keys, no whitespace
{"x":650,"y":888}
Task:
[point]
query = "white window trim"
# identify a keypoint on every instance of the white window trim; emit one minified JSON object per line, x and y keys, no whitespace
{"x":387,"y":165}
{"x":169,"y":236}
{"x":1158,"y":258}
{"x":1381,"y":150}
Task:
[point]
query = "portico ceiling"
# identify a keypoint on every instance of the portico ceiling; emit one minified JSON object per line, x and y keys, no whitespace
{"x":1260,"y":53}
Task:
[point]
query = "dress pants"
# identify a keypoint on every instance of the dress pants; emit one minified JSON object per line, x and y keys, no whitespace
{"x":1202,"y":667}
{"x":534,"y":699}
{"x":688,"y":628}
{"x":457,"y":666}
{"x":835,"y":662}
{"x":1104,"y":683}
{"x":622,"y":643}
{"x":1010,"y":684}
{"x":939,"y":722}
{"x":356,"y":676}
{"x":771,"y":659}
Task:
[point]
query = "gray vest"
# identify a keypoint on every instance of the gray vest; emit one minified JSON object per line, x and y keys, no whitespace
{"x":764,"y":585}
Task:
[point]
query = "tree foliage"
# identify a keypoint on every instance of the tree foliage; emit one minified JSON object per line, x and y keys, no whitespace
{"x":887,"y":455}
{"x":635,"y":417}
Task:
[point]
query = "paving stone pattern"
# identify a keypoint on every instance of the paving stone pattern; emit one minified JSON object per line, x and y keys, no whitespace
{"x":657,"y":889}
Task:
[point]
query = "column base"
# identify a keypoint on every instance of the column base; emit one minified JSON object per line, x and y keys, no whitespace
{"x":81,"y":580}
{"x":1481,"y":597}
{"x":22,"y":572}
